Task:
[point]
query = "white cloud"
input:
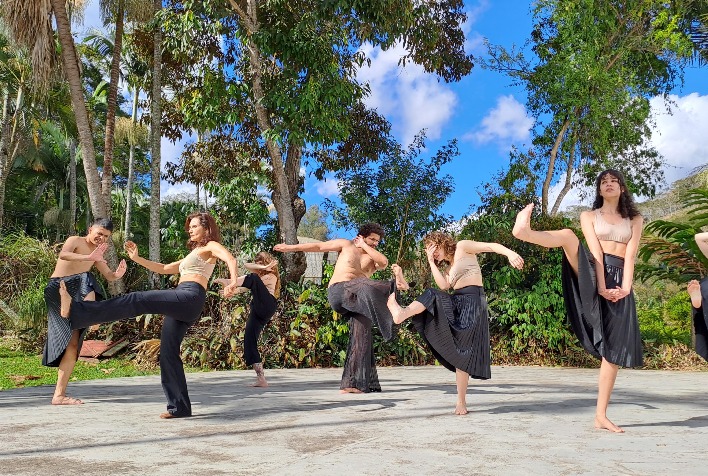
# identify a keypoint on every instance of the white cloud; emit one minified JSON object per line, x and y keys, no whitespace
{"x":410,"y":98}
{"x":473,"y":40}
{"x":506,"y":124}
{"x":329,"y":187}
{"x":680,"y":136}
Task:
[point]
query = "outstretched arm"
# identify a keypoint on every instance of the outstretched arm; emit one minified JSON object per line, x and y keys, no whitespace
{"x":103,"y":268}
{"x":476,"y":247}
{"x":132,"y":250}
{"x":331,"y":245}
{"x":68,"y":251}
{"x":702,"y":242}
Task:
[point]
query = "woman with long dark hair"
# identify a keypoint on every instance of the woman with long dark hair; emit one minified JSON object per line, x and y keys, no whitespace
{"x":597,"y":280}
{"x":455,"y":326}
{"x":264,"y":284}
{"x":698,"y":291}
{"x":181,"y":306}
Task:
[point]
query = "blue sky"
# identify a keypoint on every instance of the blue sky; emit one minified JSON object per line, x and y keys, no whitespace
{"x":485,"y":113}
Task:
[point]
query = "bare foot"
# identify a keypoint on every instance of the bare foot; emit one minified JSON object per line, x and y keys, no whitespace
{"x":604,"y":423}
{"x":260,"y":375}
{"x":64,"y":400}
{"x":260,"y":382}
{"x":350,"y":390}
{"x":222,"y":281}
{"x":694,"y":290}
{"x":396,"y":310}
{"x":523,"y":222}
{"x":401,"y":282}
{"x":65,"y":306}
{"x":461,"y":408}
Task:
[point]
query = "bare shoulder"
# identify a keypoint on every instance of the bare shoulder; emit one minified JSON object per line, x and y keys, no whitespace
{"x":638,"y":220}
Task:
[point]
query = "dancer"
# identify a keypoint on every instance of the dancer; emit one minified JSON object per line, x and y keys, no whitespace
{"x":264,"y":284}
{"x":699,"y":293}
{"x":456,"y":327}
{"x":181,"y":306}
{"x":362,"y":300}
{"x":78,"y":255}
{"x":597,"y":285}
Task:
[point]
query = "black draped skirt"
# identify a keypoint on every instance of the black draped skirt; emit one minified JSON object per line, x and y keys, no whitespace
{"x":58,"y":328}
{"x":604,"y":328}
{"x":456,"y":327}
{"x":700,"y":322}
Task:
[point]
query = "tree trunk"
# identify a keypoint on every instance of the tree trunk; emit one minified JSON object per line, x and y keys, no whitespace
{"x":71,"y":145}
{"x":107,"y":179}
{"x":551,"y":166}
{"x":155,"y":138}
{"x":568,"y":180}
{"x":283,"y":200}
{"x":4,"y":154}
{"x":131,"y":166}
{"x":70,"y":62}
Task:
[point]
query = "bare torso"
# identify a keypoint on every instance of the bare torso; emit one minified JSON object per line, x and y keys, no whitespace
{"x":78,"y":245}
{"x":352,"y":263}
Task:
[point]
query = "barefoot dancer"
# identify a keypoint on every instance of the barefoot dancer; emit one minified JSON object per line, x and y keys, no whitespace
{"x":264,"y":283}
{"x":78,"y":255}
{"x":456,"y":327}
{"x":699,"y":292}
{"x":597,"y":285}
{"x":181,"y":306}
{"x":359,"y":298}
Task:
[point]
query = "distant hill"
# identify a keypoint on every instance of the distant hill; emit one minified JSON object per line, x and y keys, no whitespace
{"x":669,"y":205}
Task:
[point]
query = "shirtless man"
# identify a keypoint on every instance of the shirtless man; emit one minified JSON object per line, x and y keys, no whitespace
{"x":352,"y":293}
{"x":76,"y":258}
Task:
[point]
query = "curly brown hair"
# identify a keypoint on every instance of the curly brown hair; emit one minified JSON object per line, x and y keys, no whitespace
{"x":264,"y":258}
{"x":444,"y":241}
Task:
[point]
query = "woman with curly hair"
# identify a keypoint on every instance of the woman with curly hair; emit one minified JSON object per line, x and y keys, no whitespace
{"x":181,"y":306}
{"x":597,"y":281}
{"x":698,"y":291}
{"x":264,"y":284}
{"x":455,"y":326}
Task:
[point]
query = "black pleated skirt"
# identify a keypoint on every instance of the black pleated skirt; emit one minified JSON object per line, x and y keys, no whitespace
{"x":700,"y":322}
{"x":604,"y":328}
{"x":58,"y":328}
{"x":366,"y":297}
{"x":456,"y":327}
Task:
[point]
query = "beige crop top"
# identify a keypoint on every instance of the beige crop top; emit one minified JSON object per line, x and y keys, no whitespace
{"x":621,"y":232}
{"x":462,"y":268}
{"x":195,"y":264}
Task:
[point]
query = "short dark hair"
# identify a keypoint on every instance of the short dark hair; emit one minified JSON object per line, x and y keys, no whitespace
{"x":368,"y":228}
{"x":103,"y":223}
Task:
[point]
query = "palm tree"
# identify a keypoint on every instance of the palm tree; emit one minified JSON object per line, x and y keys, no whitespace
{"x":30,"y":24}
{"x":671,"y":244}
{"x":155,"y":139}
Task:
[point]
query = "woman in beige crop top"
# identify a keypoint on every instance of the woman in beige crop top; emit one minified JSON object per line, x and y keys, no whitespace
{"x":455,"y":325}
{"x":698,"y":291}
{"x":181,"y":306}
{"x":602,"y":312}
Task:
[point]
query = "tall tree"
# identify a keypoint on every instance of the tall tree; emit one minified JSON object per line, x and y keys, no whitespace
{"x":155,"y":141}
{"x":290,"y":71}
{"x":596,"y":66}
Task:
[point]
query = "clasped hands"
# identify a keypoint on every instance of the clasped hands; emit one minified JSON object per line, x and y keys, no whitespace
{"x":614,"y":295}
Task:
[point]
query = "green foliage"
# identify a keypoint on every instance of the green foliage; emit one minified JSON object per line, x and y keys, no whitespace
{"x":666,"y":321}
{"x":669,"y":250}
{"x":403,"y":192}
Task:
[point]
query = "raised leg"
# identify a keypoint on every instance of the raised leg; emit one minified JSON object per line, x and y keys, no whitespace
{"x":565,"y":238}
{"x":462,"y":379}
{"x":399,"y":313}
{"x":608,"y":375}
{"x":694,"y":290}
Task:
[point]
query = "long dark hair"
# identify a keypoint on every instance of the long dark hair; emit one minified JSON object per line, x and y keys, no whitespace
{"x":212,"y":229}
{"x":626,"y":206}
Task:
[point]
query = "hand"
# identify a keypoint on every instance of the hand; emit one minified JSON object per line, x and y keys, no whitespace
{"x":132,"y":250}
{"x":120,"y":270}
{"x":230,"y":290}
{"x":358,"y":241}
{"x":282,"y":247}
{"x":609,"y":294}
{"x":97,"y":254}
{"x":430,"y":251}
{"x":395,"y":269}
{"x":516,"y":260}
{"x":621,"y":293}
{"x":222,"y":281}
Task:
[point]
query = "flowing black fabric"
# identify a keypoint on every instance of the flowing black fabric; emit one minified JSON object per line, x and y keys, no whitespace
{"x":263,"y":306}
{"x":700,"y":322}
{"x":59,"y":329}
{"x":456,"y":328}
{"x":181,"y":307}
{"x":604,"y":328}
{"x":363,"y":302}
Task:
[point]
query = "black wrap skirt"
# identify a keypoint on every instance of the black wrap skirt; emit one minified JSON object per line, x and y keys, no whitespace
{"x":700,"y":322}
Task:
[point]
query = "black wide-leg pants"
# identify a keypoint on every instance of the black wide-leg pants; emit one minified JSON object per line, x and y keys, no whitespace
{"x":263,"y":306}
{"x":181,"y":307}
